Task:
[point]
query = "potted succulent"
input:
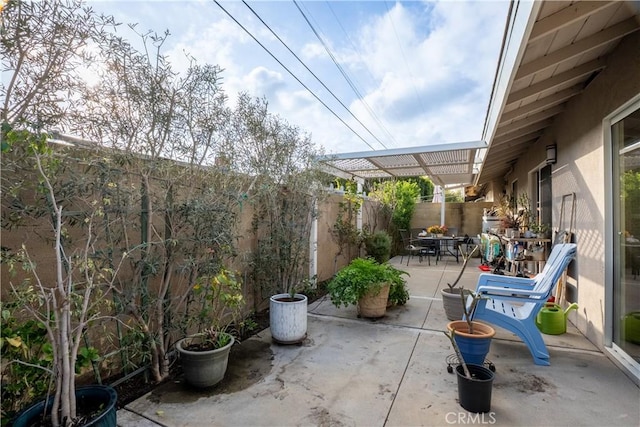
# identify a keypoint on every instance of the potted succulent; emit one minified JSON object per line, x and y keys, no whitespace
{"x":364,"y":283}
{"x":204,"y":356}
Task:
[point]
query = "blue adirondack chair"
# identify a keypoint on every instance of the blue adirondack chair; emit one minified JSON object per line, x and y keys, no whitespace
{"x":513,"y":302}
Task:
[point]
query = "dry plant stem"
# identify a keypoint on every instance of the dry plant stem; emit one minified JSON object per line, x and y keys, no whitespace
{"x":468,"y":313}
{"x":465,"y":259}
{"x":450,"y":335}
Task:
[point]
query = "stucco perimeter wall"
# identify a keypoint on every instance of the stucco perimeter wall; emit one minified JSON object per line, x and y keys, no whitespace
{"x":328,"y":259}
{"x":466,"y":217}
{"x":581,"y":169}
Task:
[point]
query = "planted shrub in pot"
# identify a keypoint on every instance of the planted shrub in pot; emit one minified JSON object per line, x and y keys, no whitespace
{"x":284,"y":197}
{"x":365,"y":283}
{"x":204,"y":356}
{"x":77,"y":292}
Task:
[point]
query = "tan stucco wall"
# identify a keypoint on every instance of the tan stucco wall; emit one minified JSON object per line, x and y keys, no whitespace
{"x":466,"y":217}
{"x":581,"y":168}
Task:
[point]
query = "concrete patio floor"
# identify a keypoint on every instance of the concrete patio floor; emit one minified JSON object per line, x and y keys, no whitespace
{"x":393,"y":372}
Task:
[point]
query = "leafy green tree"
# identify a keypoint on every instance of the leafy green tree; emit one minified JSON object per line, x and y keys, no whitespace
{"x":406,"y":195}
{"x":45,"y":46}
{"x":453,"y":196}
{"x":285,"y":189}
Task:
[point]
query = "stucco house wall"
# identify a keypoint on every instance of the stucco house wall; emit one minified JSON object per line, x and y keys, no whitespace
{"x":581,"y":169}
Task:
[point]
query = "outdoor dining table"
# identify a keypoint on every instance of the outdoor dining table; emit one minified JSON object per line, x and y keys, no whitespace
{"x":449,"y":244}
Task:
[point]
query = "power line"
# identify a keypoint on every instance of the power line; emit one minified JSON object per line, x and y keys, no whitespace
{"x":404,"y":57}
{"x":291,"y":73}
{"x":312,"y":73}
{"x":335,"y":61}
{"x":345,"y":74}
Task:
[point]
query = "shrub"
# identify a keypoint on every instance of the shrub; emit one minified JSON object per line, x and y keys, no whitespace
{"x":378,"y":246}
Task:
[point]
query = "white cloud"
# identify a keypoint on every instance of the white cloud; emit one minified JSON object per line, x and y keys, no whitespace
{"x":425,"y":69}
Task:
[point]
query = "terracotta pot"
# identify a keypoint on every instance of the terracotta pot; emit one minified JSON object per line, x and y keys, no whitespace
{"x":374,"y":305}
{"x":473,"y":347}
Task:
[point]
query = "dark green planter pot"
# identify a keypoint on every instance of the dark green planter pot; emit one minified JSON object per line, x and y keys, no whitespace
{"x":93,"y":396}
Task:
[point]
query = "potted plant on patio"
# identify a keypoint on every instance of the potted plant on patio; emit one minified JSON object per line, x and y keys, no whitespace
{"x":475,"y":382}
{"x":364,"y":283}
{"x":204,"y":356}
{"x":437,"y":230}
{"x":451,"y":301}
{"x":288,"y":315}
{"x":472,"y":337}
{"x":68,"y":294}
{"x":284,"y":198}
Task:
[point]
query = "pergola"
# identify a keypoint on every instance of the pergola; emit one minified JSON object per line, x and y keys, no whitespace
{"x":448,"y":165}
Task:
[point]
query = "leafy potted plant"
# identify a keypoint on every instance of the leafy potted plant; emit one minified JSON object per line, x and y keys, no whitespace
{"x":398,"y":291}
{"x":67,"y":302}
{"x":437,"y":230}
{"x":540,"y":230}
{"x":204,"y":356}
{"x":451,"y":301}
{"x":378,"y":246}
{"x":365,"y":283}
{"x":472,"y":337}
{"x":287,"y":189}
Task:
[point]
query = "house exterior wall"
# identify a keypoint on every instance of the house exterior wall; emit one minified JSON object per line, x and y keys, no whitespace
{"x":581,"y":169}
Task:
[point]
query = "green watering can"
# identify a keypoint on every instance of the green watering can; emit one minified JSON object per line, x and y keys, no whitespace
{"x":552,"y":320}
{"x":632,"y":327}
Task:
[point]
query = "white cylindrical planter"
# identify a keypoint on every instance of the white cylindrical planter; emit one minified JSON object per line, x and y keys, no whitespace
{"x":288,"y":318}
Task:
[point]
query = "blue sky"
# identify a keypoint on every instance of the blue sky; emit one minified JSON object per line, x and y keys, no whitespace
{"x":422,"y":71}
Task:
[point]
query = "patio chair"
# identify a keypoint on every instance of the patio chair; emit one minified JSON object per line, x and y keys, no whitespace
{"x":514,"y":302}
{"x":430,"y":248}
{"x":410,"y":247}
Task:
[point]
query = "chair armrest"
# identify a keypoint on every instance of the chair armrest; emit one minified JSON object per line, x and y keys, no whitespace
{"x":507,"y":282}
{"x":516,"y":294}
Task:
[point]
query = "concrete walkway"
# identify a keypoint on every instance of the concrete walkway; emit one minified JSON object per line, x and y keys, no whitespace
{"x":393,"y":372}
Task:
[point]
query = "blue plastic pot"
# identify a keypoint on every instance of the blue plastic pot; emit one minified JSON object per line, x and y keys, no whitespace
{"x":474,"y":348}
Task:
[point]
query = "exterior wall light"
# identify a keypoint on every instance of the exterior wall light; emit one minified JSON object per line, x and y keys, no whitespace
{"x":552,"y":154}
